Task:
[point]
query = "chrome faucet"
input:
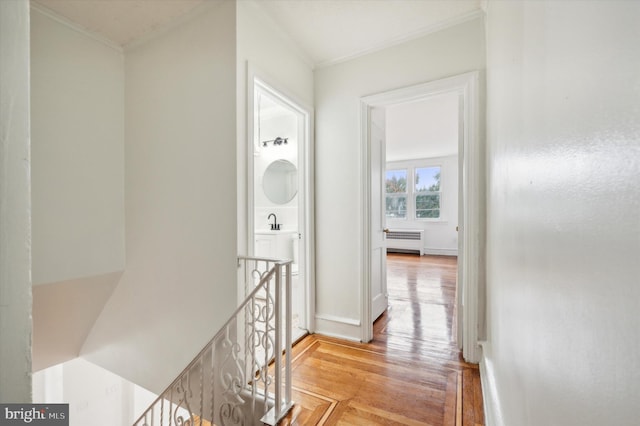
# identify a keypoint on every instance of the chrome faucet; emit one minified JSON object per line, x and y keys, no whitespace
{"x":275,"y":226}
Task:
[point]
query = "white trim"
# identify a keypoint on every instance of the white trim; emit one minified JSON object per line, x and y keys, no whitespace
{"x":172,"y":24}
{"x":428,"y":161}
{"x":366,"y":304}
{"x":257,"y":78}
{"x":441,"y":252}
{"x":490,"y":402}
{"x":336,"y":318}
{"x":76,"y":27}
{"x":471,"y":226}
{"x":467,"y":86}
{"x":340,"y":327}
{"x":469,"y":16}
{"x":410,"y":166}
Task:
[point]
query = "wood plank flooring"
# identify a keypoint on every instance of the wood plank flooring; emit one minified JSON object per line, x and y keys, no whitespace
{"x":410,"y":374}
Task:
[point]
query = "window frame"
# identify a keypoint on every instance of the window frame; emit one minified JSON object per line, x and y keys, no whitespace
{"x":416,"y":194}
{"x":405,"y":194}
{"x":411,"y":166}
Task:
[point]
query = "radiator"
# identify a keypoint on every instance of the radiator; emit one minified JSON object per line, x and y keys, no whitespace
{"x":405,"y":240}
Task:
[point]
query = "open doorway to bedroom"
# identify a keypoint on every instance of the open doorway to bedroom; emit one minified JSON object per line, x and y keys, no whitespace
{"x":421,"y":213}
{"x":410,"y":204}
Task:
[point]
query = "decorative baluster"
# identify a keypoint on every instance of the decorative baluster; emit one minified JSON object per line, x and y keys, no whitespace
{"x":288,"y":336}
{"x":239,"y":373}
{"x":213,"y":381}
{"x":265,"y":366}
{"x":170,"y":406}
{"x":201,"y":390}
{"x":278,"y":346}
{"x":250,"y":351}
{"x":187,"y":396}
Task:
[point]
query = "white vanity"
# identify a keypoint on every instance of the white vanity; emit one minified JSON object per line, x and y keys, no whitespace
{"x":283,"y":245}
{"x":279,"y":245}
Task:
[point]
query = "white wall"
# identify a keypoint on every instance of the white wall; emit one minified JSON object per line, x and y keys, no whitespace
{"x":273,"y":56}
{"x":441,"y":237}
{"x":180,"y":178}
{"x":78,"y":153}
{"x":180,"y":109}
{"x":77,"y":110}
{"x":564,"y":231}
{"x":63,"y":314}
{"x":15,"y":205}
{"x":95,"y":396}
{"x":338,"y":182}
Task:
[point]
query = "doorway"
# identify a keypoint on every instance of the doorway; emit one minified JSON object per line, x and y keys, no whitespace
{"x":469,"y":217}
{"x":421,"y":212}
{"x":280,"y":190}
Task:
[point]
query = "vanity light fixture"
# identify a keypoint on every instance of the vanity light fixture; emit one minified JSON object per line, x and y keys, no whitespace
{"x":277,"y":141}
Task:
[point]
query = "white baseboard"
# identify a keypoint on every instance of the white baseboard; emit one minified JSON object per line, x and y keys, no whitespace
{"x":491,"y":404}
{"x":340,"y":327}
{"x":441,"y":252}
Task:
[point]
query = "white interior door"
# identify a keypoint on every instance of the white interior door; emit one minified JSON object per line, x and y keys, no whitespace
{"x":378,"y":273}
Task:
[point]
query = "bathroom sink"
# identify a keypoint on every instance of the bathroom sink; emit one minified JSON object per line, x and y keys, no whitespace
{"x":273,"y":231}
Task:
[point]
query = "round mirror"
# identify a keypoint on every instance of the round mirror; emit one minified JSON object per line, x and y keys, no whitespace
{"x":280,"y":181}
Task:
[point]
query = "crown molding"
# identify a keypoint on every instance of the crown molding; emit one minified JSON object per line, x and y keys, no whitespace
{"x":75,"y":27}
{"x":469,"y":16}
{"x":172,"y":24}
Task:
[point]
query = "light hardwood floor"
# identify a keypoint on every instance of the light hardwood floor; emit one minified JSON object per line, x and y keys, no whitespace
{"x":410,"y":374}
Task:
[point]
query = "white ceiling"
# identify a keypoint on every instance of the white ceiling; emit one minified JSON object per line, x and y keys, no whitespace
{"x":326,"y":30}
{"x":121,"y":21}
{"x":423,"y":129}
{"x":334,"y":30}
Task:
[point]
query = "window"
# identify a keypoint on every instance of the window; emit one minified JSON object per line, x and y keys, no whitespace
{"x":396,"y":194}
{"x":414,"y":190}
{"x":427,"y":192}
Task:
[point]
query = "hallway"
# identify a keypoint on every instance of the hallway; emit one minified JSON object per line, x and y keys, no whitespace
{"x":410,"y":374}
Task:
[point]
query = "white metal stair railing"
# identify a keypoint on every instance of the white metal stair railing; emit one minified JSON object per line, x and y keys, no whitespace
{"x":243,"y":375}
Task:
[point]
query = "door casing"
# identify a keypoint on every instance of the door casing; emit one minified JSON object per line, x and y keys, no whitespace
{"x":255,"y":80}
{"x":471,"y":208}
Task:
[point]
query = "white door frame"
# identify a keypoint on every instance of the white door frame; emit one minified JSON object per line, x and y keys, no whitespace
{"x":307,"y":225}
{"x":471,"y":220}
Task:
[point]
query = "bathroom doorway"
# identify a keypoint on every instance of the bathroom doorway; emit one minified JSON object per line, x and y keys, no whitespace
{"x":280,"y":191}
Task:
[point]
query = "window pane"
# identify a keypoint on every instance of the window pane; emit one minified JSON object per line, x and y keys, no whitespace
{"x":427,"y":179}
{"x":396,"y":206}
{"x":427,"y":206}
{"x":396,"y":181}
{"x":427,"y":192}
